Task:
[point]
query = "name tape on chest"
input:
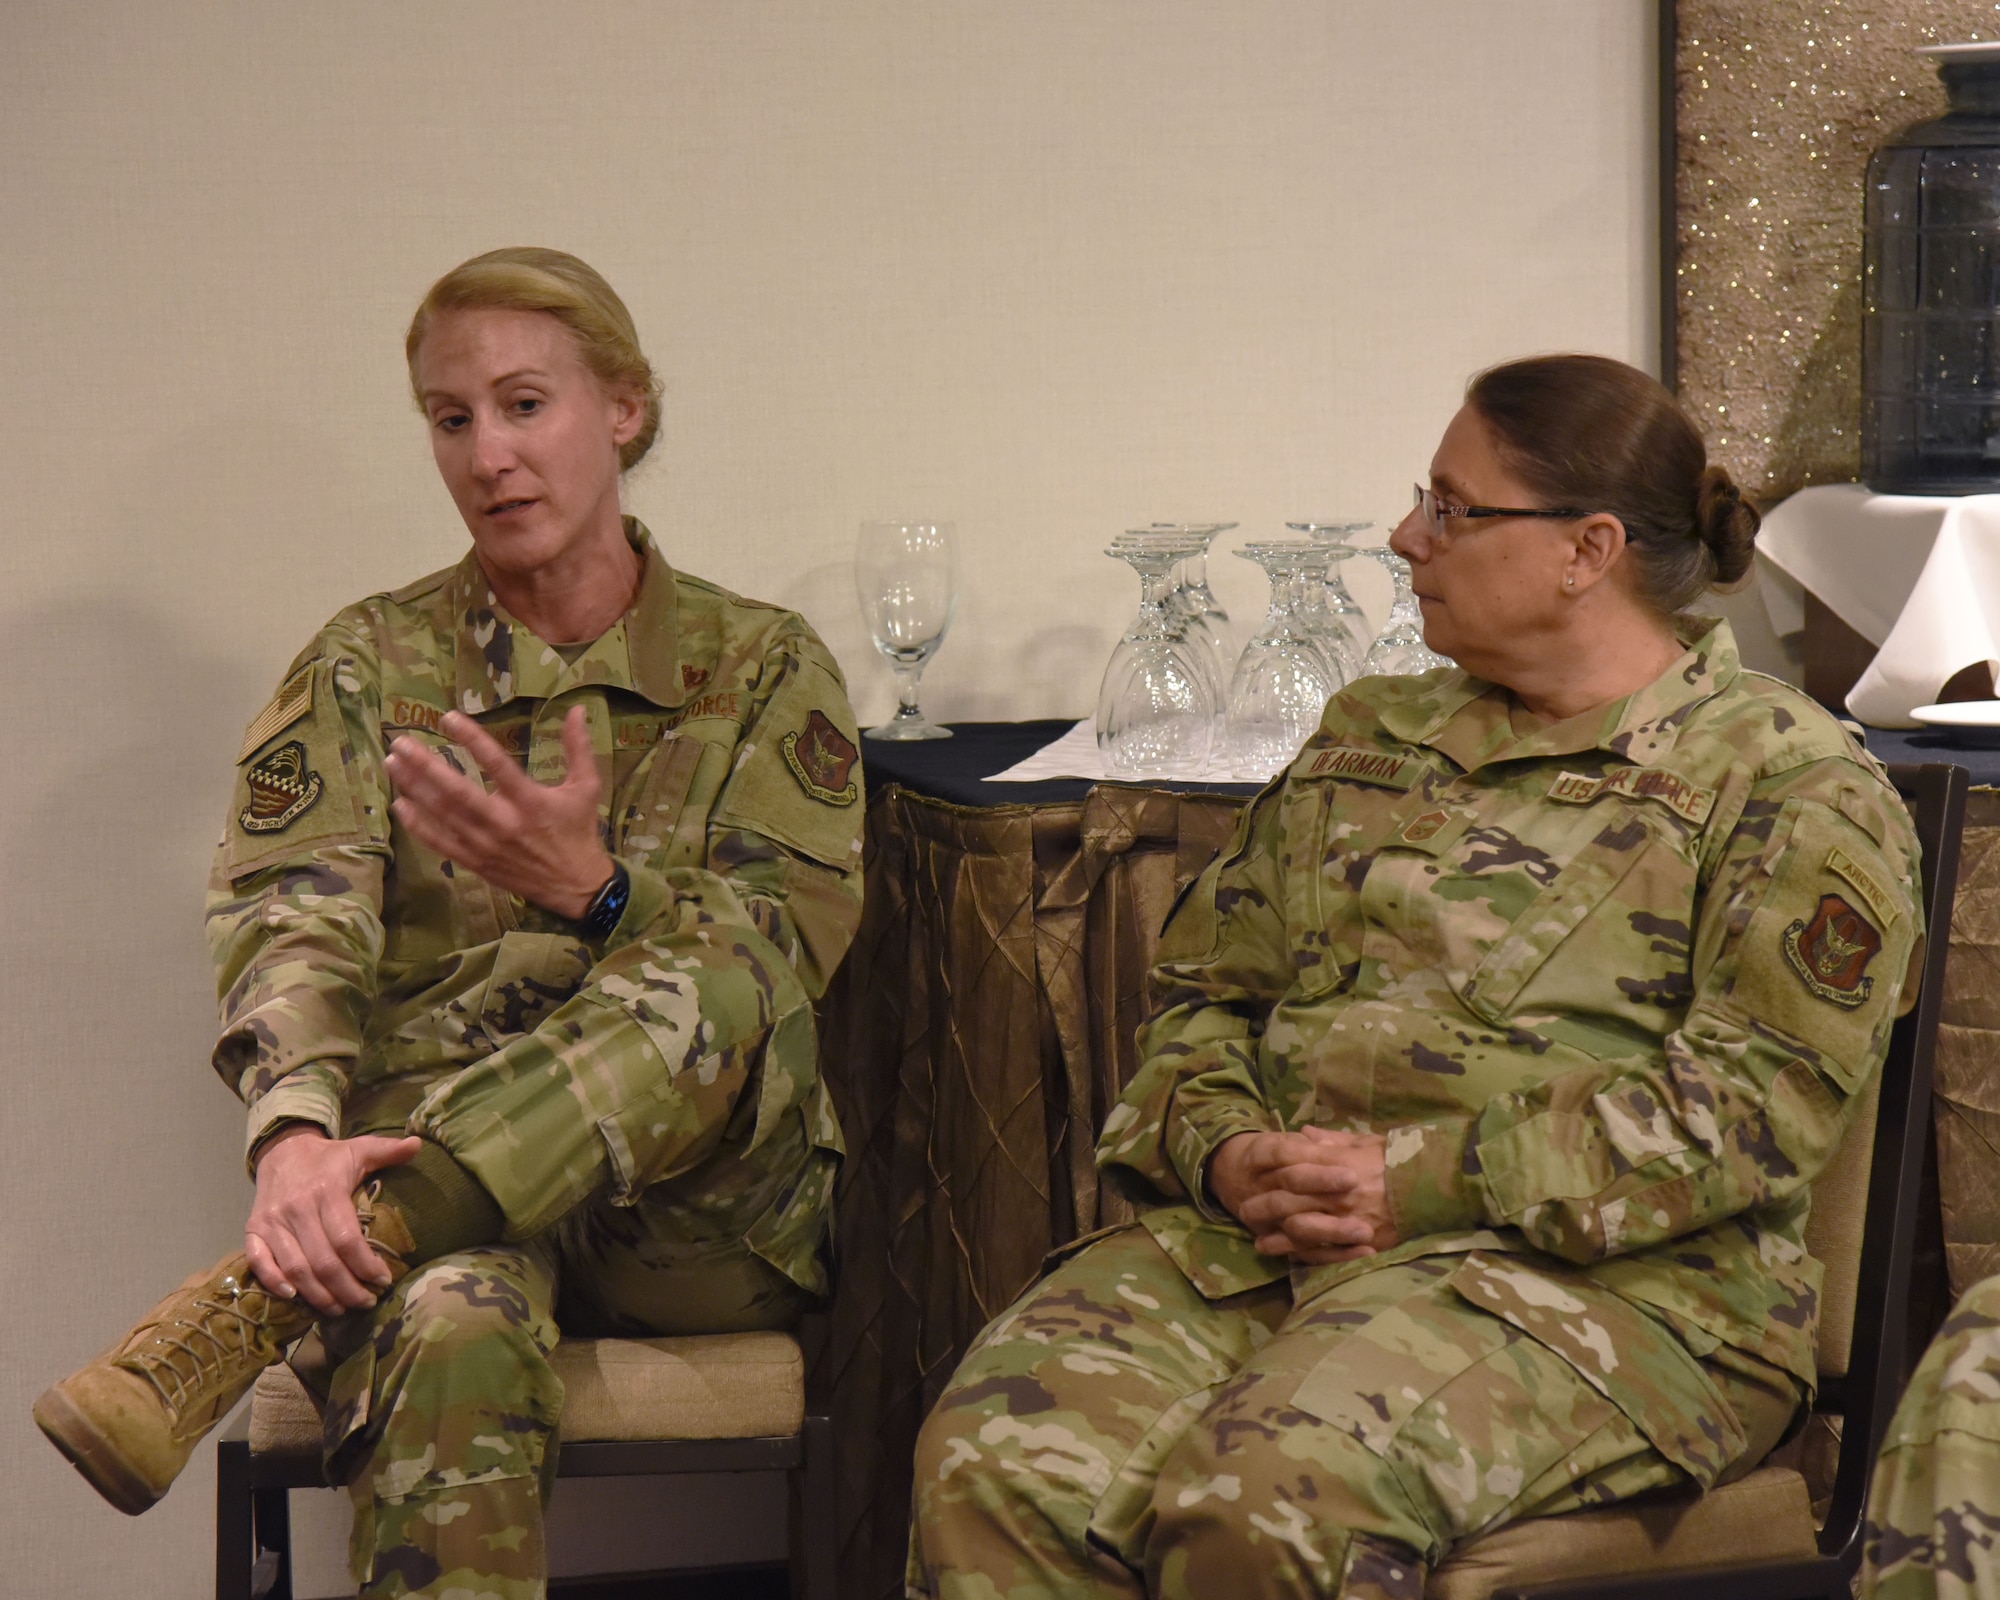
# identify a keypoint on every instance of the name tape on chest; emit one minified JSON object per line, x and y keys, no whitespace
{"x":1670,"y":789}
{"x":401,"y":714}
{"x":1351,"y":764}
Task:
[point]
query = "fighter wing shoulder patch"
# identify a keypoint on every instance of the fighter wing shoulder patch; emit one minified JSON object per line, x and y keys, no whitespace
{"x":822,"y":759}
{"x":282,"y":787}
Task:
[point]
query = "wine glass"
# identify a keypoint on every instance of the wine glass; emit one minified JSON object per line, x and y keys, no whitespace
{"x":1156,"y":708}
{"x":1344,"y":629}
{"x":1187,"y":619}
{"x":906,"y":575}
{"x":1282,"y":681}
{"x":1192,"y":595}
{"x":1312,"y":561}
{"x":1399,"y":648}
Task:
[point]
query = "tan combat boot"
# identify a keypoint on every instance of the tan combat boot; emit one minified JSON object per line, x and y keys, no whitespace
{"x":129,"y":1420}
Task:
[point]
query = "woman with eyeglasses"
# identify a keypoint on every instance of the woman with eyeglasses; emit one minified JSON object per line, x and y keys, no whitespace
{"x":1486,"y":1073}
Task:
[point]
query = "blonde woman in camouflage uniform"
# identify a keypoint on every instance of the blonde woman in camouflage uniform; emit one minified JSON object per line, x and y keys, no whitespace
{"x":533,"y":870}
{"x":1488,"y":1068}
{"x":1934,"y":1508}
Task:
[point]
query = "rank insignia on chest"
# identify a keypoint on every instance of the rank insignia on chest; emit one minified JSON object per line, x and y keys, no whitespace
{"x":821,"y":758}
{"x":1422,"y":830}
{"x":1431,"y":830}
{"x":282,"y":789}
{"x":1831,"y":952}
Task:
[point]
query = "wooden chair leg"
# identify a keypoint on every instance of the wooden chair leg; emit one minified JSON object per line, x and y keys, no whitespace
{"x":815,"y":1541}
{"x":235,"y":1550}
{"x":272,"y":1576}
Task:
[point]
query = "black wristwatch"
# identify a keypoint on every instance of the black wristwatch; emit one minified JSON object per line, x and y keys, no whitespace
{"x":607,"y":906}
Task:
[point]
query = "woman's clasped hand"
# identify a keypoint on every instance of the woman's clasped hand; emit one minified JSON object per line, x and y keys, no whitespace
{"x":1316,"y":1195}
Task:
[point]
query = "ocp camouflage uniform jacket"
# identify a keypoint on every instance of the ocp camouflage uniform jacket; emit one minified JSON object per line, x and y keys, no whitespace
{"x":360,"y":974}
{"x":1610,"y":987}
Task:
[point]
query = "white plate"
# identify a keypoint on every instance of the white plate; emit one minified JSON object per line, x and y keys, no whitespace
{"x":1971,"y":716}
{"x":1954,"y":54}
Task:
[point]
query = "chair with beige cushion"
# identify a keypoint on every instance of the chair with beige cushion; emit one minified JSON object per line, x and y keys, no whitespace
{"x":730,"y":1402}
{"x":1864,"y":1225}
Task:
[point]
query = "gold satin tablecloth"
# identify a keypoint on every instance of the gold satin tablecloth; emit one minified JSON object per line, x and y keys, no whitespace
{"x":977,"y":1034}
{"x":1967,"y":1101}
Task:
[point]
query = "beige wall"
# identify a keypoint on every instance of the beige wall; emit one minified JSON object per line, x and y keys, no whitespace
{"x":1048,"y":268}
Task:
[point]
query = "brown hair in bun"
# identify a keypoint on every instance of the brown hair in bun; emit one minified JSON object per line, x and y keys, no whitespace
{"x":1594,"y":433}
{"x":1728,"y":524}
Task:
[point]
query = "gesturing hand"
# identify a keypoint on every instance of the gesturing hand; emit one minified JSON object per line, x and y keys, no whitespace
{"x":536,"y":840}
{"x":303,"y":1236}
{"x":1316,"y":1195}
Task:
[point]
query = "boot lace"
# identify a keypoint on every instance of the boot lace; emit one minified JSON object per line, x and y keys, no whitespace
{"x":192,"y":1353}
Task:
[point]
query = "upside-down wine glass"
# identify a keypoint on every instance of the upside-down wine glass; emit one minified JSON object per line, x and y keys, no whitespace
{"x":906,"y":575}
{"x":1186,"y":618}
{"x":1156,"y":706}
{"x":1283,"y":680}
{"x":1192,"y":595}
{"x":1399,"y":648}
{"x":1313,"y":561}
{"x":1345,"y":628}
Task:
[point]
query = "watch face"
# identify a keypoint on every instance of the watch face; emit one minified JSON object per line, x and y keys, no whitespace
{"x":608,"y":907}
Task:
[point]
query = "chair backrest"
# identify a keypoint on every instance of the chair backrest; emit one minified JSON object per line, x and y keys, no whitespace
{"x":1835,"y":1230}
{"x":1866,"y":1203}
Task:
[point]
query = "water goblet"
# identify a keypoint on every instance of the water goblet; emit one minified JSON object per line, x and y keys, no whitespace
{"x":1156,"y":708}
{"x":1399,"y":648}
{"x":1186,"y":616}
{"x":906,"y":575}
{"x":1282,"y":681}
{"x":1345,"y":629}
{"x":1192,"y":595}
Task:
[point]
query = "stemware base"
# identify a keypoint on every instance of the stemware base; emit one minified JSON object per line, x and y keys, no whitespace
{"x":917,"y":728}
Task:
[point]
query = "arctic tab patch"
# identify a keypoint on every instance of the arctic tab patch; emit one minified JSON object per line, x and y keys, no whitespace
{"x":1868,"y":884}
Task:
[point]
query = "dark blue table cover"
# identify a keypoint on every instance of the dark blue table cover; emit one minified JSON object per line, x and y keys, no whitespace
{"x":956,"y":770}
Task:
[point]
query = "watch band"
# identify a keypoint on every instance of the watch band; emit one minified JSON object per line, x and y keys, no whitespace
{"x":607,"y":906}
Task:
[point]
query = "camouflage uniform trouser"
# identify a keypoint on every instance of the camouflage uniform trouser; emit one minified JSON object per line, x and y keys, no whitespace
{"x":1114,"y":1433}
{"x":1934,"y":1510}
{"x":443,"y":1405}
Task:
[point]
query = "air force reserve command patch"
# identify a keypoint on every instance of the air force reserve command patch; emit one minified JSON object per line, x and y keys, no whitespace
{"x":282,"y":789}
{"x":1831,"y":953}
{"x":822,"y":758}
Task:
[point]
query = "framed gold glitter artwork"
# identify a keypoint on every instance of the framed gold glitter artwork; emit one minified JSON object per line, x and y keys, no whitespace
{"x":1769,"y":112}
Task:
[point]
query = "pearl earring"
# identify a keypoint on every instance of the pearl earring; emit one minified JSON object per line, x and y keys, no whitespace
{"x":1569,"y":583}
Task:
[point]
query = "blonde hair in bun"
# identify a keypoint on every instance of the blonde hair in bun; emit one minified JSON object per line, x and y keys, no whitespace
{"x":525,"y":278}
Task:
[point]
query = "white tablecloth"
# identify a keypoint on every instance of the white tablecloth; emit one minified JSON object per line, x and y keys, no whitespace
{"x":1917,"y":576}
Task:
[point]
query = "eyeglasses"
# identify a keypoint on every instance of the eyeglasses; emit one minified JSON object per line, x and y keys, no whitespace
{"x":1436,"y":510}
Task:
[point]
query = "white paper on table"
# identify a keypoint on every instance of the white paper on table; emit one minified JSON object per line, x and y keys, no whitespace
{"x":1075,"y":755}
{"x":1918,"y":576}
